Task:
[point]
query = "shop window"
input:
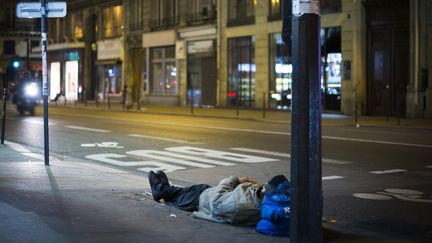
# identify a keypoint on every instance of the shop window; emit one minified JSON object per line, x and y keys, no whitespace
{"x":275,"y":10}
{"x":9,"y":47}
{"x":201,"y":11}
{"x":241,"y":12}
{"x":280,"y":73}
{"x":330,"y":6}
{"x":163,"y":71}
{"x":112,"y":21}
{"x":164,"y":14}
{"x":331,"y":59}
{"x":241,"y":71}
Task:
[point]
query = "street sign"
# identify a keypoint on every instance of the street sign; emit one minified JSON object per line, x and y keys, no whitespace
{"x":33,"y":10}
{"x":43,"y":10}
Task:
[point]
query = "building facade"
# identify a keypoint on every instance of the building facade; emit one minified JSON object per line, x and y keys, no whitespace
{"x":226,"y":53}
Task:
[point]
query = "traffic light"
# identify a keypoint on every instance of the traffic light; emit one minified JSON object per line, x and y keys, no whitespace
{"x":16,"y":64}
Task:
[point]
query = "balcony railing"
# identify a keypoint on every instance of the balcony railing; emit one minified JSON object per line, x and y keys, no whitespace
{"x":164,"y":23}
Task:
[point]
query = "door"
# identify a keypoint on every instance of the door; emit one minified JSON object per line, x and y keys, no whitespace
{"x":388,"y":56}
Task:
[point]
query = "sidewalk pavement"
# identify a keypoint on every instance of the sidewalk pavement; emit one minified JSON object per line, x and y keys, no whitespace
{"x":329,"y":118}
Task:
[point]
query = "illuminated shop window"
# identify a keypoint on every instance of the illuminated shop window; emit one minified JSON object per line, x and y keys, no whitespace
{"x":163,"y":71}
{"x":280,"y":73}
{"x":241,"y":71}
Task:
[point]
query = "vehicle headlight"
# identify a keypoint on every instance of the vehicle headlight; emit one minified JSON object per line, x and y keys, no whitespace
{"x":31,"y":89}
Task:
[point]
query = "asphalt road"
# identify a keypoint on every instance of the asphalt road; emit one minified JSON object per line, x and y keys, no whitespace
{"x":376,"y":181}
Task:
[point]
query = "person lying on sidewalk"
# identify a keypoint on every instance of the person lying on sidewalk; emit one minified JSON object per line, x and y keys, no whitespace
{"x":235,"y":200}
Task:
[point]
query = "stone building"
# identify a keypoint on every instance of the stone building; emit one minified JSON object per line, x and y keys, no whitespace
{"x":228,"y":53}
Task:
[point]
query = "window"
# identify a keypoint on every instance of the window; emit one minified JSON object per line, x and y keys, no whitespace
{"x":112,"y":21}
{"x":164,"y":14}
{"x":241,"y":12}
{"x":330,"y":6}
{"x":275,"y":10}
{"x":77,"y":25}
{"x":241,"y":71}
{"x":163,"y":70}
{"x":9,"y":47}
{"x":136,"y":14}
{"x":201,"y":10}
{"x":280,"y":73}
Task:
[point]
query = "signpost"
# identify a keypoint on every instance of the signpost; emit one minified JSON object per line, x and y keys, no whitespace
{"x":43,"y":10}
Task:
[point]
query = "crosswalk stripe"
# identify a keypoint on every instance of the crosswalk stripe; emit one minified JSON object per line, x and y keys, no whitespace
{"x":380,"y":172}
{"x":286,"y":155}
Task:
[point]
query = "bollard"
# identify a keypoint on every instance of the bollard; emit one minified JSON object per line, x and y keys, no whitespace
{"x":386,"y":103}
{"x":124,"y":96}
{"x":5,"y":91}
{"x":191,"y":101}
{"x":264,"y":106}
{"x":356,"y":121}
{"x":398,"y":101}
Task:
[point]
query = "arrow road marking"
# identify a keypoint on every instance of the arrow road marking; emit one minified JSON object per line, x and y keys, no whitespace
{"x":286,"y":155}
{"x":88,"y":129}
{"x":380,"y":172}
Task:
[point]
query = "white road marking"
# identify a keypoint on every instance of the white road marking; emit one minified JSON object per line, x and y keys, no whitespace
{"x":102,"y":145}
{"x":38,"y":122}
{"x":163,"y":139}
{"x":377,"y":141}
{"x":429,"y":166}
{"x":220,"y":154}
{"x":286,"y":155}
{"x":111,"y":159}
{"x":332,"y":177}
{"x":380,"y":172}
{"x":166,"y":156}
{"x":24,"y":151}
{"x":17,"y":147}
{"x":88,"y":129}
{"x":371,"y":196}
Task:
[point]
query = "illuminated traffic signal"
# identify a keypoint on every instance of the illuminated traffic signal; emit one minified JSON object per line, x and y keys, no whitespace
{"x":16,"y":64}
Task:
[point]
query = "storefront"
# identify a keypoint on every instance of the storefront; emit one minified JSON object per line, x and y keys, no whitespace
{"x":280,"y":85}
{"x":201,"y":73}
{"x":241,"y":71}
{"x":109,"y":69}
{"x":161,"y":84}
{"x":65,"y":69}
{"x":280,"y":70}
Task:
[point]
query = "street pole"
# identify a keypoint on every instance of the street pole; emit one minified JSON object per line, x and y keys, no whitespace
{"x":45,"y":79}
{"x":5,"y":93}
{"x":306,"y":170}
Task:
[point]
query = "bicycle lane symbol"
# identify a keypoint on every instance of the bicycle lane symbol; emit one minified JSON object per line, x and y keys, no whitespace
{"x":401,"y":194}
